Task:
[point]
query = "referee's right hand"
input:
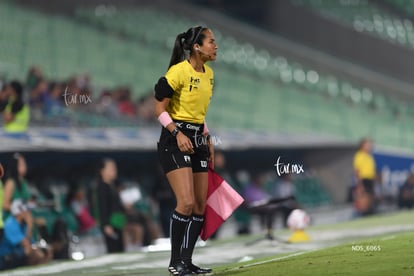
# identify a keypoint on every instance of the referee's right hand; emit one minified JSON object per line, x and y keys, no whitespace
{"x":184,"y":143}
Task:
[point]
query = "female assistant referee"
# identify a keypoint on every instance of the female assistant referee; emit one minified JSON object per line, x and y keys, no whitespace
{"x":183,"y":96}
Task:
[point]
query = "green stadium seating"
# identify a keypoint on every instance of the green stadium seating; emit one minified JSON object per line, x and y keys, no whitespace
{"x":406,"y":6}
{"x":254,"y":89}
{"x":366,"y":16}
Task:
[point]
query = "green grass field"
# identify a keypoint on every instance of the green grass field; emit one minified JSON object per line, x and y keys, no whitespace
{"x":386,"y":255}
{"x":376,"y":245}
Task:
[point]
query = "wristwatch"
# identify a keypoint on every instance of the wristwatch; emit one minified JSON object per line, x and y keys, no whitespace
{"x":174,"y":132}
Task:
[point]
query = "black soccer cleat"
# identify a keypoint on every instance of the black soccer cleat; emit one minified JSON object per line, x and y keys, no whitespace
{"x":198,"y":270}
{"x":180,"y":269}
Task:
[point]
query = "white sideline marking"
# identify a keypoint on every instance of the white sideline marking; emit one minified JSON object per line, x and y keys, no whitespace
{"x":388,"y":238}
{"x":69,"y":265}
{"x":272,"y":260}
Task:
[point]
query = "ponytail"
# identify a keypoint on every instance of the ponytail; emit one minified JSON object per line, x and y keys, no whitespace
{"x":178,"y":53}
{"x":184,"y":42}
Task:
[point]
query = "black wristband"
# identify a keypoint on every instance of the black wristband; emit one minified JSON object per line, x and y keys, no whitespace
{"x":174,"y":132}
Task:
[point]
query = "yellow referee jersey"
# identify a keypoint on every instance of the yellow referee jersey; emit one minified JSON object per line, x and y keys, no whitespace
{"x":192,"y":92}
{"x":364,"y":165}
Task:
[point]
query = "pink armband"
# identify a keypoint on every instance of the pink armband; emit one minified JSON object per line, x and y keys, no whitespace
{"x":205,"y":130}
{"x":165,"y":119}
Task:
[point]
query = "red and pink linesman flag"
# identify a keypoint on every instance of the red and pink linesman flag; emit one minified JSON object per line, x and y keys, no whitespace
{"x":222,"y":201}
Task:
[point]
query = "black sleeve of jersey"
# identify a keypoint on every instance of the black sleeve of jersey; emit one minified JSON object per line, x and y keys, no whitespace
{"x":163,"y":89}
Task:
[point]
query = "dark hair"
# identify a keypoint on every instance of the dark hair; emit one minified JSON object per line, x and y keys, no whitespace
{"x":184,"y":42}
{"x":101,"y":165}
{"x":12,"y":171}
{"x":363,"y":141}
{"x":18,"y":101}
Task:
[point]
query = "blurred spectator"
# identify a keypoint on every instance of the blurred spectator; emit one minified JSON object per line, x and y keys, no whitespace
{"x":53,"y":103}
{"x":133,"y":233}
{"x":33,"y":76}
{"x":242,"y":214}
{"x":108,"y":207}
{"x":78,"y":204}
{"x":38,"y":94}
{"x":285,"y":188}
{"x":16,"y":113}
{"x":139,"y":216}
{"x":72,"y":86}
{"x":220,"y":166}
{"x":15,"y":186}
{"x":255,"y":195}
{"x":145,"y":107}
{"x":125,"y":105}
{"x":77,"y":93}
{"x":365,"y":175}
{"x":254,"y":191}
{"x":134,"y":228}
{"x":17,"y":248}
{"x":406,"y":193}
{"x":83,"y":81}
{"x":164,"y":196}
{"x":106,"y":105}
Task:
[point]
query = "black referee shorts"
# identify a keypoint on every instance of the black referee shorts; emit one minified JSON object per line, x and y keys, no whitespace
{"x":369,"y":186}
{"x":172,"y":158}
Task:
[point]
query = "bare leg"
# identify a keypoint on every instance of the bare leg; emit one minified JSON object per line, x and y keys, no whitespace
{"x":200,"y":192}
{"x":181,"y":181}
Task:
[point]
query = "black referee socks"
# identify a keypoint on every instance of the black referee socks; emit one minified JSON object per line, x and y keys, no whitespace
{"x":191,"y":235}
{"x":178,"y":225}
